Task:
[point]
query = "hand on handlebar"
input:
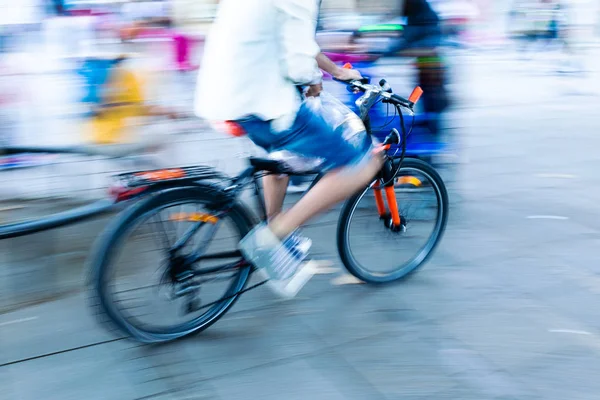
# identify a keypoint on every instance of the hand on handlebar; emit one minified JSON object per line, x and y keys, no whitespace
{"x":346,"y":75}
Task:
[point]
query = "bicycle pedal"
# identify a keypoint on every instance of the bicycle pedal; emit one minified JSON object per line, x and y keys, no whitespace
{"x":193,"y":305}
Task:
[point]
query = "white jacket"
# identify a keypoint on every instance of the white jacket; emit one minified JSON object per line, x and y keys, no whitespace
{"x":256,"y":53}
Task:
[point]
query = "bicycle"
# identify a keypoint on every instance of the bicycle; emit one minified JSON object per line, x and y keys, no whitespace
{"x":206,"y":200}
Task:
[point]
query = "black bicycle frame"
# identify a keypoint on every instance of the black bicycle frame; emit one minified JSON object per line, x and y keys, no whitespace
{"x":252,"y":176}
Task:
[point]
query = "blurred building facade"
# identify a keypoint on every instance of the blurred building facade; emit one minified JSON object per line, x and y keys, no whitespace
{"x":197,"y":14}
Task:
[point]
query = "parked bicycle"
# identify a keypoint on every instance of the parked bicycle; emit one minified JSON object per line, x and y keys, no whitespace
{"x":196,"y":217}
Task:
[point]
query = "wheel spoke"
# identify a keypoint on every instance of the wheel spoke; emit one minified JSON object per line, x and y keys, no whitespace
{"x":163,"y":236}
{"x":218,"y":256}
{"x":220,"y":268}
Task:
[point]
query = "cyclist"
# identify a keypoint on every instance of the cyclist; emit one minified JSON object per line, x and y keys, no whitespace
{"x":423,"y":25}
{"x":422,"y":36}
{"x":257,"y":55}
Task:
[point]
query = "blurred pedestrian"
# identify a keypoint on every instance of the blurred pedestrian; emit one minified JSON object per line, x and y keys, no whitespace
{"x":421,"y":39}
{"x":121,"y":119}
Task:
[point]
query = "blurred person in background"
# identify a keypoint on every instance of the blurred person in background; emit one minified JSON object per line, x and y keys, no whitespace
{"x":422,"y":36}
{"x":559,"y":34}
{"x":534,"y":22}
{"x":257,"y":55}
{"x":423,"y":25}
{"x":121,"y":118}
{"x":543,"y":25}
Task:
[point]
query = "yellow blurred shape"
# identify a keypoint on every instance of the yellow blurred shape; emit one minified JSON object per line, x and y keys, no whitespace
{"x":124,"y":89}
{"x":409,"y":180}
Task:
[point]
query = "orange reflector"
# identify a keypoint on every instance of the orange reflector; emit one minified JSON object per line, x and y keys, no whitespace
{"x":162,"y":174}
{"x":194,"y":217}
{"x":409,"y":180}
{"x":416,"y":94}
{"x":347,"y":66}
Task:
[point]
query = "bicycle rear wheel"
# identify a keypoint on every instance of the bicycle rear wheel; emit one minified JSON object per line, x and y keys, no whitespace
{"x":152,"y":296}
{"x":373,"y":252}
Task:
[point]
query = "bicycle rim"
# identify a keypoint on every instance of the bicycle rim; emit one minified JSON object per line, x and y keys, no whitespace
{"x":126,"y":306}
{"x":374,"y":253}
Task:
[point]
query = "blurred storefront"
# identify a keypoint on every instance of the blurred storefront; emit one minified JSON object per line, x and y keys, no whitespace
{"x":196,"y":15}
{"x":362,"y":6}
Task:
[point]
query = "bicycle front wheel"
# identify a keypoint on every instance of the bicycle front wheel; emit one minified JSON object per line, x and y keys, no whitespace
{"x":375,"y":253}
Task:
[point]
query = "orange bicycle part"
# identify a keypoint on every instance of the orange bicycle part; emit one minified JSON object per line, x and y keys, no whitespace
{"x":194,"y":217}
{"x":409,"y":180}
{"x":232,"y":128}
{"x":416,"y":94}
{"x":162,"y":174}
{"x":379,"y":199}
{"x":381,"y":148}
{"x":390,"y":195}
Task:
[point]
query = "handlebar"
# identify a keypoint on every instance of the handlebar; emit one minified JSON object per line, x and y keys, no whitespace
{"x":389,"y":97}
{"x":384,"y":90}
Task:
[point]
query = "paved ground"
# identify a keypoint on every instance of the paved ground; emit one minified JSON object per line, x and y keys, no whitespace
{"x":505,"y":309}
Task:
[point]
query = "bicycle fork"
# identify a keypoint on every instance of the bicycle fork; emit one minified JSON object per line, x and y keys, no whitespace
{"x":391,"y":219}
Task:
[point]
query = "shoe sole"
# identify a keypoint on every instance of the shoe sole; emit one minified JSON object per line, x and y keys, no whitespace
{"x":289,"y":288}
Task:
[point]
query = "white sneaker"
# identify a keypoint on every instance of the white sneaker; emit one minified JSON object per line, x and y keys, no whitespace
{"x":282,"y":264}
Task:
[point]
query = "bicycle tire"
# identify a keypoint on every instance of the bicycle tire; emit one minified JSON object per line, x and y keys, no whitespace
{"x":418,"y":261}
{"x":111,"y":239}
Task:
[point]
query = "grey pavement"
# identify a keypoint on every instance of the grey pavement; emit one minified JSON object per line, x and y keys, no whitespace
{"x":504,"y":310}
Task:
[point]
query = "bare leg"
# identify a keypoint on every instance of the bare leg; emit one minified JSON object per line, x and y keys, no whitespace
{"x":331,"y":189}
{"x":274,"y":188}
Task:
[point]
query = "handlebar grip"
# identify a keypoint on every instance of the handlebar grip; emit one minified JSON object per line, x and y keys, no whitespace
{"x":402,"y":100}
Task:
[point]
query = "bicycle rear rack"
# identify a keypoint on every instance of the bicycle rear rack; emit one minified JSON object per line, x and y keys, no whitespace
{"x":182,"y":174}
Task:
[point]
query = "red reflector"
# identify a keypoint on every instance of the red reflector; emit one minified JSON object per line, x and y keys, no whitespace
{"x":232,"y":128}
{"x":120,"y":193}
